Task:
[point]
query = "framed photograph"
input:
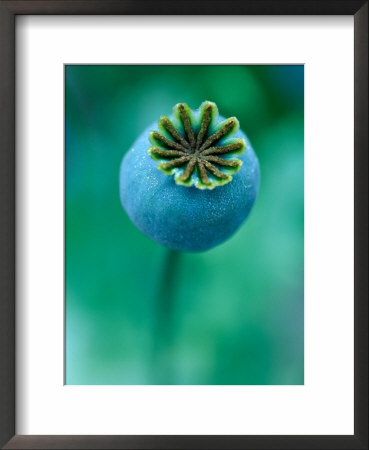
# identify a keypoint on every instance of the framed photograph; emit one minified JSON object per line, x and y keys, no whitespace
{"x":184,"y":225}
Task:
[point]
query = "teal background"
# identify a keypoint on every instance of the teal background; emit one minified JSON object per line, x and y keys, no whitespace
{"x":137,"y":313}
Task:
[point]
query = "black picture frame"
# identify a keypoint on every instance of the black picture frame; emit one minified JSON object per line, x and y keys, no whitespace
{"x":8,"y":12}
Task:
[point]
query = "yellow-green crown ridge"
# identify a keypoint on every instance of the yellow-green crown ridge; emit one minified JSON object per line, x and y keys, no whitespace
{"x":195,"y":148}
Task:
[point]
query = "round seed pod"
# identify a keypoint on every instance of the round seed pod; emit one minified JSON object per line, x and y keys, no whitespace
{"x":190,"y":180}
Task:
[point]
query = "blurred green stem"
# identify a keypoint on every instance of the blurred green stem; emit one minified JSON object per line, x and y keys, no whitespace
{"x":164,"y":323}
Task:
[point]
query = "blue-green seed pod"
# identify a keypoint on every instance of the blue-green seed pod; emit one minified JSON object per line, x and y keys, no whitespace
{"x":190,"y":181}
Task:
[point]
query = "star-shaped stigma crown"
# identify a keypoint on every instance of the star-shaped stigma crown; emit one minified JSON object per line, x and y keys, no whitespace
{"x":195,"y":148}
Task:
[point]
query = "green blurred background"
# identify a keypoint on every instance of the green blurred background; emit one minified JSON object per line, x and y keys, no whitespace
{"x":231,"y":315}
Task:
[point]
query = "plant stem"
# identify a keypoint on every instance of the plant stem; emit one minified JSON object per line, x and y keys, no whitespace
{"x":164,"y":326}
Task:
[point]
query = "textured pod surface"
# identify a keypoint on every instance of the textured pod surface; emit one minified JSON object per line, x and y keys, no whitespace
{"x":180,"y":217}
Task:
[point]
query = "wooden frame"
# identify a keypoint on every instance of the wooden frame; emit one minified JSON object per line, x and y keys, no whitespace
{"x":8,"y":11}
